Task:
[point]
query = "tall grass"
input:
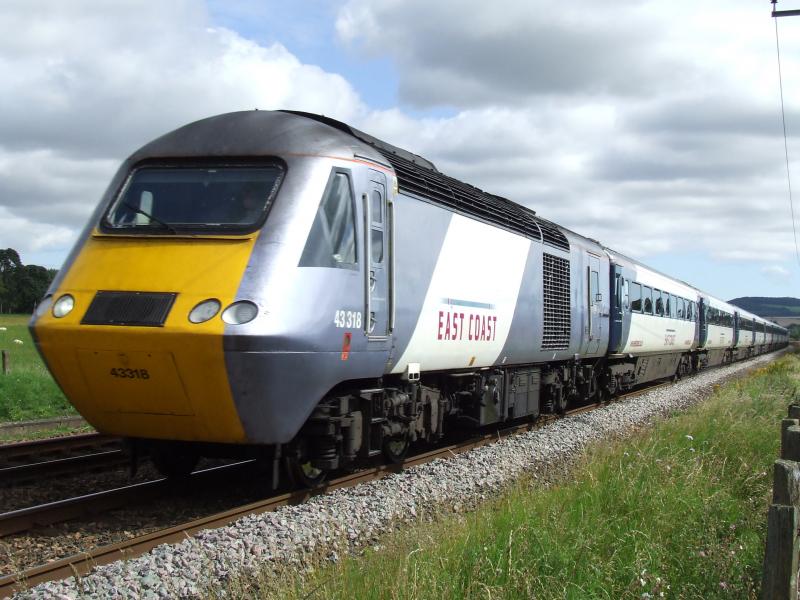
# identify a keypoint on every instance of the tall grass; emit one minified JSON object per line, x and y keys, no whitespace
{"x":28,"y":391}
{"x":676,"y":511}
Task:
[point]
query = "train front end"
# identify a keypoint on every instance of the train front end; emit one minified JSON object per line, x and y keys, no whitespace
{"x":133,"y":329}
{"x":183,"y":314}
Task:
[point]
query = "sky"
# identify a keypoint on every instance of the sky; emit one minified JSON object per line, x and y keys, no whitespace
{"x":653,"y":126}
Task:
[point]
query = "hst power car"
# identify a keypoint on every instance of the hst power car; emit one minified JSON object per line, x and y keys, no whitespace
{"x":281,"y":283}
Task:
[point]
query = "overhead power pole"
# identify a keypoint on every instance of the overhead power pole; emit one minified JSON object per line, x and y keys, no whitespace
{"x":783,"y":13}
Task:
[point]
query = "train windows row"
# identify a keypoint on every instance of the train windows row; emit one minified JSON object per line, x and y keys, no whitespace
{"x":652,"y":301}
{"x":715,"y":316}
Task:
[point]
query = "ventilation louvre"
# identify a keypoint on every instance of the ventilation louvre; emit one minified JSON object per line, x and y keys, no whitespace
{"x":145,"y":309}
{"x":557,"y":314}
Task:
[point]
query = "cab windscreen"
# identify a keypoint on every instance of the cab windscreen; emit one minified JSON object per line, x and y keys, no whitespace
{"x":170,"y":200}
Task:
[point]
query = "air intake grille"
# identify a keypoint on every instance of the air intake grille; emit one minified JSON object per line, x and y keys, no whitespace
{"x":146,"y":309}
{"x":557,"y":314}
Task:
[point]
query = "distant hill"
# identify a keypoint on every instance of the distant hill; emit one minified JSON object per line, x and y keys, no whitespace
{"x":769,"y":307}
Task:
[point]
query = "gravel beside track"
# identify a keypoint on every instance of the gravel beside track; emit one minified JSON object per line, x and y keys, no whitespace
{"x":346,"y":519}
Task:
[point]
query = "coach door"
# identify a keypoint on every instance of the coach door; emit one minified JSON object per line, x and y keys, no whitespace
{"x":377,"y":227}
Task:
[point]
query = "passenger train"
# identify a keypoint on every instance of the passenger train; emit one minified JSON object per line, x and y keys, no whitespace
{"x":280,"y":284}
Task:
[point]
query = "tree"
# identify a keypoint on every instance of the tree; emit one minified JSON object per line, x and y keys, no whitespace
{"x":21,"y":286}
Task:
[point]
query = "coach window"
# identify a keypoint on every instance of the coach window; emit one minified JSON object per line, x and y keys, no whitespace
{"x":668,"y":305}
{"x":648,"y":300}
{"x":636,"y":297}
{"x":659,"y":302}
{"x":625,"y":294}
{"x":332,"y":241}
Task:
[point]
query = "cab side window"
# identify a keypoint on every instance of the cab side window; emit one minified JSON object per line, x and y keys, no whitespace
{"x":332,"y":241}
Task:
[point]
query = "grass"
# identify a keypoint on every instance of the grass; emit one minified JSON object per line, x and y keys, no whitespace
{"x":28,"y":391}
{"x":676,"y":511}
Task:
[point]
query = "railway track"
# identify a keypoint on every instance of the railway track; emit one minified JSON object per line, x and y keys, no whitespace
{"x":84,"y":562}
{"x":37,"y":459}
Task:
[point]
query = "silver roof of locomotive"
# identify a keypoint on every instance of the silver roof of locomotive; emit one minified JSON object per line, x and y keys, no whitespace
{"x":255,"y":133}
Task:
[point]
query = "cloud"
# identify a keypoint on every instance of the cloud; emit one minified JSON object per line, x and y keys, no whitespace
{"x":651,"y":126}
{"x":776,"y":272}
{"x":87,"y":84}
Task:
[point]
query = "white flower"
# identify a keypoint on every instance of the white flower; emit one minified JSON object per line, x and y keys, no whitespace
{"x":691,"y":449}
{"x":3,"y":328}
{"x":688,"y":437}
{"x":18,"y":342}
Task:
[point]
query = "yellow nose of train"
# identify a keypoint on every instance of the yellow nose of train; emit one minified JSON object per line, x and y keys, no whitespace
{"x":162,"y":379}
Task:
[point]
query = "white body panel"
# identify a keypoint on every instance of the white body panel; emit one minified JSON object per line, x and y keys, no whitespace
{"x":719,"y":337}
{"x":465,"y":320}
{"x":659,"y":334}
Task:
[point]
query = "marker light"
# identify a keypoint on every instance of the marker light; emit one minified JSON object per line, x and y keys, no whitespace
{"x":63,"y":306}
{"x":43,"y":306}
{"x":240,"y":312}
{"x":205,"y":310}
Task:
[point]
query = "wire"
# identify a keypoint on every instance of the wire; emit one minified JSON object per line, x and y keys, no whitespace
{"x":785,"y":143}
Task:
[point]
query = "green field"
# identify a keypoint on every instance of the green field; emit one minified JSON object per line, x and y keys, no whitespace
{"x":28,"y":391}
{"x":676,"y":511}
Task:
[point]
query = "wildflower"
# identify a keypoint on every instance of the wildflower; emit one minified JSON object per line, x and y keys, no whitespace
{"x":689,"y":437}
{"x":3,"y":328}
{"x":18,"y":341}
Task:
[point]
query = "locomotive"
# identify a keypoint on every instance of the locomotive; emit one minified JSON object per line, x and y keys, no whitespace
{"x":280,"y":284}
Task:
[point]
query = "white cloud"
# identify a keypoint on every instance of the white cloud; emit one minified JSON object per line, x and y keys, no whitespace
{"x":776,"y":272}
{"x":86,"y":84}
{"x":650,"y":126}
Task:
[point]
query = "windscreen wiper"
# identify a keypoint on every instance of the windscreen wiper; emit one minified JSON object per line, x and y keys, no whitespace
{"x":165,"y":225}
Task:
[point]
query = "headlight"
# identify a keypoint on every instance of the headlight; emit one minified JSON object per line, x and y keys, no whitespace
{"x":204,"y":311}
{"x":240,"y":312}
{"x":42,"y":307}
{"x":63,"y":306}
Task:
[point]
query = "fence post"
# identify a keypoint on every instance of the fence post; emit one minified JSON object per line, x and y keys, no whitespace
{"x":790,"y":442}
{"x":782,"y":551}
{"x":5,"y":360}
{"x":780,"y":558}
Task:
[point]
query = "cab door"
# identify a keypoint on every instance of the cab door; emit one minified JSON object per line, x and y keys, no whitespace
{"x":594,"y":302}
{"x":377,"y":227}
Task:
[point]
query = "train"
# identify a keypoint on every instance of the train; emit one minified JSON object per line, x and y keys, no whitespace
{"x":282,"y":285}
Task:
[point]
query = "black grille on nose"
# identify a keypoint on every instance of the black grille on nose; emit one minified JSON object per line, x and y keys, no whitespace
{"x":146,"y":309}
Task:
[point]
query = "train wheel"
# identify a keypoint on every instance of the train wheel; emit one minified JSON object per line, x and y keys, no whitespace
{"x":174,"y":460}
{"x":304,"y":474}
{"x":560,"y":403}
{"x":395,"y":448}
